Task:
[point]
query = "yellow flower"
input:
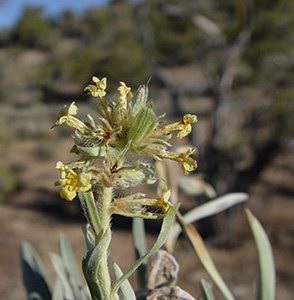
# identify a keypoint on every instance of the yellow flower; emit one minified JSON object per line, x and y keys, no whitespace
{"x":125,"y":92}
{"x":72,"y":182}
{"x":67,"y":193}
{"x":188,"y":163}
{"x":163,"y":201}
{"x":62,"y":168}
{"x":131,"y":206}
{"x":66,"y":116}
{"x":97,"y":90}
{"x":66,"y":113}
{"x":184,"y":126}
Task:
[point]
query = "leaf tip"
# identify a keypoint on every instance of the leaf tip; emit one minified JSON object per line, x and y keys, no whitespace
{"x":250,"y":216}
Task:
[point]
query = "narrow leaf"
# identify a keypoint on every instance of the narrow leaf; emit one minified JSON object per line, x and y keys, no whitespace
{"x":87,"y":294}
{"x":93,"y":257}
{"x":165,"y":229}
{"x":206,"y":289}
{"x":267,"y":280}
{"x":91,"y":263}
{"x":61,"y":274}
{"x":70,"y":267}
{"x":90,"y":240}
{"x":211,"y":208}
{"x":58,"y":292}
{"x":34,"y":275}
{"x":139,"y":100}
{"x":125,"y":291}
{"x":201,"y":252}
{"x":89,"y":206}
{"x":139,"y":241}
{"x":195,"y":186}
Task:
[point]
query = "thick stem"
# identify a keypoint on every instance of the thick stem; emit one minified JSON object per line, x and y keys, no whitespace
{"x":104,"y":280}
{"x":103,"y":208}
{"x":96,"y":271}
{"x":96,"y":266}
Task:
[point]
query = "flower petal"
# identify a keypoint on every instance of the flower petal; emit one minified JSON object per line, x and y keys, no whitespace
{"x":67,"y":193}
{"x":97,"y":90}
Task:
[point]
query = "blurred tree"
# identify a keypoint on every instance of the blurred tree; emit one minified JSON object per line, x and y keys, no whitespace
{"x":245,"y":50}
{"x":125,"y":56}
{"x":33,"y":30}
{"x":5,"y":37}
{"x":126,"y":60}
{"x":272,"y":57}
{"x":71,"y":25}
{"x":99,"y":27}
{"x":173,"y":30}
{"x":76,"y":65}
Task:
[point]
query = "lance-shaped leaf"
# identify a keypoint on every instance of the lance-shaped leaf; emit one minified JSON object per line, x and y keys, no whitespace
{"x":98,"y":151}
{"x":89,"y":206}
{"x":139,"y":241}
{"x":91,"y":264}
{"x":87,"y":294}
{"x":165,"y":229}
{"x":211,"y":208}
{"x":34,"y":275}
{"x":63,"y":286}
{"x":267,"y":280}
{"x":59,"y":292}
{"x":201,"y":252}
{"x":141,"y":126}
{"x":90,"y":240}
{"x":70,"y":267}
{"x":125,"y":291}
{"x":206,"y":290}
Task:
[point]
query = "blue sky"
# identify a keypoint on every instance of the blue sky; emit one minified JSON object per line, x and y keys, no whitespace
{"x":11,"y":10}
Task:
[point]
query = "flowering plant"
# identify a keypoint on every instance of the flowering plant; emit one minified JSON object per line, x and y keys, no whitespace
{"x":110,"y":149}
{"x":125,"y":128}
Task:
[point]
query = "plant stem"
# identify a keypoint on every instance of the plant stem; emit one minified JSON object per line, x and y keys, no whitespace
{"x":98,"y":216}
{"x":103,"y":207}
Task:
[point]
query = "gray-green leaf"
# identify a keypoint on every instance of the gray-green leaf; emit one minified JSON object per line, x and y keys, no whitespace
{"x":139,"y":241}
{"x":90,"y":240}
{"x":34,"y":274}
{"x":267,"y":277}
{"x":125,"y":291}
{"x":204,"y":257}
{"x":70,"y":267}
{"x":210,"y":208}
{"x":206,"y":290}
{"x":91,"y":263}
{"x":63,"y":286}
{"x":59,"y":292}
{"x":165,"y":229}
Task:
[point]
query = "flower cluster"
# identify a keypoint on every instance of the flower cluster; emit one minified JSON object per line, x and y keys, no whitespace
{"x":126,"y":126}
